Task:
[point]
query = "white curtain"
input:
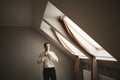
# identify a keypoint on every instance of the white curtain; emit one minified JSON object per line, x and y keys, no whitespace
{"x":69,"y":46}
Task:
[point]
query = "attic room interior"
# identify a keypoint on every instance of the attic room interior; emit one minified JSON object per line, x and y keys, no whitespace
{"x":83,"y":34}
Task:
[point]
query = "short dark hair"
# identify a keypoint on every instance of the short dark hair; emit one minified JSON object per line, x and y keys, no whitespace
{"x":46,"y":43}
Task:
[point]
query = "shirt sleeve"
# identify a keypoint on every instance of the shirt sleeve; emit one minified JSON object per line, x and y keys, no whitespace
{"x":53,"y":57}
{"x":41,"y":58}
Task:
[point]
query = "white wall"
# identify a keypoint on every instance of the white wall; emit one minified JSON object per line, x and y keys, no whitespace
{"x":19,"y":50}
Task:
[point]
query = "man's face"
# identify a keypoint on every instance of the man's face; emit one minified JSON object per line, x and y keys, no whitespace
{"x":47,"y":46}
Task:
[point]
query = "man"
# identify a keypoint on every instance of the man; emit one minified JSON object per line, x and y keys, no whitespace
{"x":48,"y":58}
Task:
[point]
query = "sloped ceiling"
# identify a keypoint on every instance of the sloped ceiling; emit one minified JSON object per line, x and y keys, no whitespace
{"x":100,"y":19}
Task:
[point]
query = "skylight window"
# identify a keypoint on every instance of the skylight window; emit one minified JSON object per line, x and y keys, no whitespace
{"x":80,"y":32}
{"x":89,"y":45}
{"x":69,"y":46}
{"x":84,"y":40}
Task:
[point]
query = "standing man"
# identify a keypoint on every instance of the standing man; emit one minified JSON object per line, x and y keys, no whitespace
{"x":47,"y":58}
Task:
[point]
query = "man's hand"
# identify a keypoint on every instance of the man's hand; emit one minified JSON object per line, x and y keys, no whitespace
{"x":47,"y":53}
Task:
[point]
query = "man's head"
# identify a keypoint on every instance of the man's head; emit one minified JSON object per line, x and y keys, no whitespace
{"x":47,"y":46}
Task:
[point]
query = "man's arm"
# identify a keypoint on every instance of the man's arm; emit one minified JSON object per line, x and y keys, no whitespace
{"x":41,"y":59}
{"x":53,"y":57}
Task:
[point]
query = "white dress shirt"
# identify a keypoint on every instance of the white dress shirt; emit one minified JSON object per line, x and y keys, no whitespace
{"x":48,"y":61}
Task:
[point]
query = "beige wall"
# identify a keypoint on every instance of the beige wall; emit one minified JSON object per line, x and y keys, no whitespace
{"x":16,"y":12}
{"x":19,"y":51}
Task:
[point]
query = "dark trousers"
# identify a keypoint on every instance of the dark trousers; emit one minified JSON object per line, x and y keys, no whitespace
{"x":49,"y":74}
